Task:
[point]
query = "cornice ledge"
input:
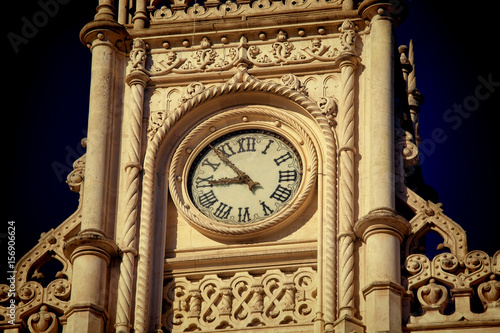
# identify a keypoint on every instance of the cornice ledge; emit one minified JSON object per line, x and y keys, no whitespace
{"x":385,"y":220}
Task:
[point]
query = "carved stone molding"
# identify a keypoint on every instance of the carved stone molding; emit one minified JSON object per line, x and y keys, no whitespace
{"x":259,"y":55}
{"x":215,"y":9}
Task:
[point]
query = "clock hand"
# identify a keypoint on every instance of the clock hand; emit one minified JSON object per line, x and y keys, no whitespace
{"x":235,"y":180}
{"x":226,"y":180}
{"x":243,"y":177}
{"x":224,"y":158}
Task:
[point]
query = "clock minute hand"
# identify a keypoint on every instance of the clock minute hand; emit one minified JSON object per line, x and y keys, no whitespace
{"x":243,"y":177}
{"x":224,"y":159}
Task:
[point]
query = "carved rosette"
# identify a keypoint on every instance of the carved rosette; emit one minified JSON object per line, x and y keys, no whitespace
{"x":242,"y":301}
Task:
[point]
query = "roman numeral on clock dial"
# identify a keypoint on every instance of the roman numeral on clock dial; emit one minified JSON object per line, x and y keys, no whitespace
{"x":208,"y":199}
{"x":283,"y":158}
{"x":281,"y":193}
{"x":287,"y":176}
{"x":203,"y":182}
{"x":246,"y":144}
{"x":223,"y":211}
{"x":243,"y":214}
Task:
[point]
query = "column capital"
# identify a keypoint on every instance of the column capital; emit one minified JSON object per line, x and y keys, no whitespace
{"x":104,"y":30}
{"x":137,"y":77}
{"x":393,"y":10}
{"x":382,"y":220}
{"x":90,"y":243}
{"x":347,"y":59}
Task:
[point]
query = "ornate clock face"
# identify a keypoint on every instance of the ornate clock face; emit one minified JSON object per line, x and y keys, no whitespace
{"x":245,"y":177}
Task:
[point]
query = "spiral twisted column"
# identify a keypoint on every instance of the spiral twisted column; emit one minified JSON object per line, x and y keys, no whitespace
{"x":346,"y":161}
{"x":346,"y":188}
{"x":137,"y":81}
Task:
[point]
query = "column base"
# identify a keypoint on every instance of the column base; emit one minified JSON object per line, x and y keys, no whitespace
{"x":86,"y":318}
{"x":383,"y":306}
{"x":348,"y":324}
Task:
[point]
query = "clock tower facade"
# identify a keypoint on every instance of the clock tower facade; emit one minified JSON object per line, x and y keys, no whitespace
{"x":253,"y":166}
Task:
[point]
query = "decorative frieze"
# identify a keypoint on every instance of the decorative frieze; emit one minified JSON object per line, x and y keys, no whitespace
{"x":274,"y":297}
{"x":179,"y":11}
{"x":207,"y":58}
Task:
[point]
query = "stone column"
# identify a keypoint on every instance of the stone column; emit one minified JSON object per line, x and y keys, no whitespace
{"x":141,"y":16}
{"x":91,"y":251}
{"x":382,"y":111}
{"x":382,"y":229}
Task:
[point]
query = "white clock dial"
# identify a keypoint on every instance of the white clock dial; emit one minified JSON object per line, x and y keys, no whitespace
{"x":245,"y":177}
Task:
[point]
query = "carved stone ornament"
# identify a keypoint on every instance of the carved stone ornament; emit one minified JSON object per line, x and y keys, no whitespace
{"x":207,"y":58}
{"x":244,"y":118}
{"x":242,"y":301}
{"x":215,"y":9}
{"x":446,"y":275}
{"x":138,"y":54}
{"x":43,"y":321}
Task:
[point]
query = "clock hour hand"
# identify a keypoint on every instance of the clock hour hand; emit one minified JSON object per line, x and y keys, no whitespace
{"x":235,"y":180}
{"x":242,"y":177}
{"x":226,"y":180}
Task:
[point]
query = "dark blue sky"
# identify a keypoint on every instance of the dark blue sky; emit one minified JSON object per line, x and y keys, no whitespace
{"x":48,"y":81}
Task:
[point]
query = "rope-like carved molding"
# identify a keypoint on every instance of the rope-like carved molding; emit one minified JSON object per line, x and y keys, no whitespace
{"x":241,"y":82}
{"x":179,"y":167}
